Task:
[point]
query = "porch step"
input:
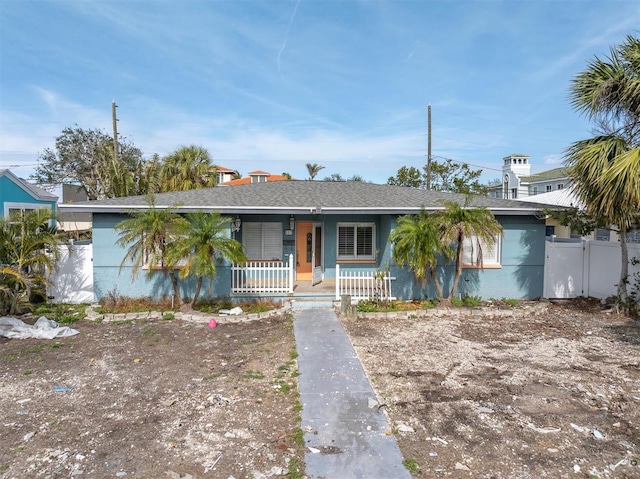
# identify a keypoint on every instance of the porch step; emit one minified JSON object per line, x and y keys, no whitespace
{"x":310,"y":303}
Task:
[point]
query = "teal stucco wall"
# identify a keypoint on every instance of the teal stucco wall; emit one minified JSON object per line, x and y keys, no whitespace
{"x":12,"y":193}
{"x":520,"y":275}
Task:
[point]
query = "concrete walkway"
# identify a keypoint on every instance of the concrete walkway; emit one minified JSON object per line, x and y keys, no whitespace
{"x":345,"y":438}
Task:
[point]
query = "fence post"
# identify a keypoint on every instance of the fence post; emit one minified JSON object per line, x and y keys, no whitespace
{"x":291,"y":272}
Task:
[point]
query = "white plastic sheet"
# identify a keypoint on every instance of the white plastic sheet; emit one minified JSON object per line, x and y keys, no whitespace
{"x":42,"y":329}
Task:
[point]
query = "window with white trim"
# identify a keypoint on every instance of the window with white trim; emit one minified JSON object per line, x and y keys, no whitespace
{"x":490,"y":254}
{"x":262,"y":241}
{"x":356,"y":241}
{"x":12,"y":208}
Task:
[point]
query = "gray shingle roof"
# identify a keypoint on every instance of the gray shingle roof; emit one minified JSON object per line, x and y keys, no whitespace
{"x":555,"y":174}
{"x":327,"y":197}
{"x":35,"y":191}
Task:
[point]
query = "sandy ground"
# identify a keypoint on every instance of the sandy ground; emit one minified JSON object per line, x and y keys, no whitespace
{"x":540,"y":391}
{"x":150,"y":399}
{"x":545,"y":390}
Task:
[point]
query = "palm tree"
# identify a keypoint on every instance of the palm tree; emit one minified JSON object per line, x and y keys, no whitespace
{"x":149,"y":236}
{"x":605,"y":169}
{"x":187,"y":168}
{"x":313,"y":170}
{"x":416,"y":243}
{"x":29,"y":248}
{"x":458,"y":223}
{"x":205,"y":243}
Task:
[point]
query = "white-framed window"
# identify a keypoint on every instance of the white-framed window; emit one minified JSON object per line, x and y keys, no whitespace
{"x":356,"y":241}
{"x":491,"y":257}
{"x":13,"y":208}
{"x":548,"y":188}
{"x":262,"y":241}
{"x":535,"y":190}
{"x":560,"y":186}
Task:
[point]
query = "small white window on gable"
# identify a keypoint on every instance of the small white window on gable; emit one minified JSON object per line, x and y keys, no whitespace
{"x":262,"y":241}
{"x":356,"y":241}
{"x":490,"y":254}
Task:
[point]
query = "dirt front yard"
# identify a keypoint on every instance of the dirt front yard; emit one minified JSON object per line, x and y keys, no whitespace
{"x":546,"y":391}
{"x":151,"y":399}
{"x":542,"y":391}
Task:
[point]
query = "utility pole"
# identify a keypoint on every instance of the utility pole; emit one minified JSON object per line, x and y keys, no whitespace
{"x":429,"y":147}
{"x":115,"y":129}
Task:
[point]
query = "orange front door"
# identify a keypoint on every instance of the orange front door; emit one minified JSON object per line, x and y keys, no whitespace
{"x":304,"y":251}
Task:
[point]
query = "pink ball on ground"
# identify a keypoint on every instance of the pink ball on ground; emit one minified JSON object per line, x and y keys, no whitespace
{"x":212,"y":323}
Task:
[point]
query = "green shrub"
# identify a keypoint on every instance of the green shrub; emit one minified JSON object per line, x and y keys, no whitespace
{"x":61,"y":312}
{"x":412,"y":466}
{"x":471,"y":301}
{"x":511,"y":302}
{"x":368,"y":306}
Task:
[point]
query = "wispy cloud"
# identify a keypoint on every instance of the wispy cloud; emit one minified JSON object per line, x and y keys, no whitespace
{"x":286,"y":36}
{"x":413,"y":50}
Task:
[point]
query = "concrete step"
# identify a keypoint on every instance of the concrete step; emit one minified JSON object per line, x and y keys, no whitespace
{"x":309,"y":303}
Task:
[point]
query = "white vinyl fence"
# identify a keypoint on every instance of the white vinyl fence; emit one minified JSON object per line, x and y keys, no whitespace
{"x":362,"y":285}
{"x":588,"y":268}
{"x":72,"y":281}
{"x":263,"y":277}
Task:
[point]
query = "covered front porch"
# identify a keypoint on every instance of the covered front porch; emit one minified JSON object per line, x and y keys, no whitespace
{"x":278,"y":278}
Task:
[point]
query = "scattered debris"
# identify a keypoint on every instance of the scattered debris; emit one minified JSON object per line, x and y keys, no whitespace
{"x":578,"y":428}
{"x":402,"y":427}
{"x":60,"y":389}
{"x":43,"y":328}
{"x":544,"y":429}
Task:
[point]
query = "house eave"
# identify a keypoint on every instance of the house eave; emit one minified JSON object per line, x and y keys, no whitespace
{"x":298,"y":210}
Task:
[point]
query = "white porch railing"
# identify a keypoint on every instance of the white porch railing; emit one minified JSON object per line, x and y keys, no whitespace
{"x":361,"y":285}
{"x":262,"y":277}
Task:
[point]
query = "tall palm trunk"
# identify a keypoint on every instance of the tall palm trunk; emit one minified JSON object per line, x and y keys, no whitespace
{"x":196,"y":295}
{"x":456,"y":278}
{"x":176,"y":288}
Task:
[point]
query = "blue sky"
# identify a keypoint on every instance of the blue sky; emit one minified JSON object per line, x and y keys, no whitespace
{"x":274,"y":85}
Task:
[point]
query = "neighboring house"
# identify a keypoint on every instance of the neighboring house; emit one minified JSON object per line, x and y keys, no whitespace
{"x":565,"y":198}
{"x":518,"y":182}
{"x":257,"y":176}
{"x":74,"y":221}
{"x":323,"y":225}
{"x":225,"y":174}
{"x":17,"y":194}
